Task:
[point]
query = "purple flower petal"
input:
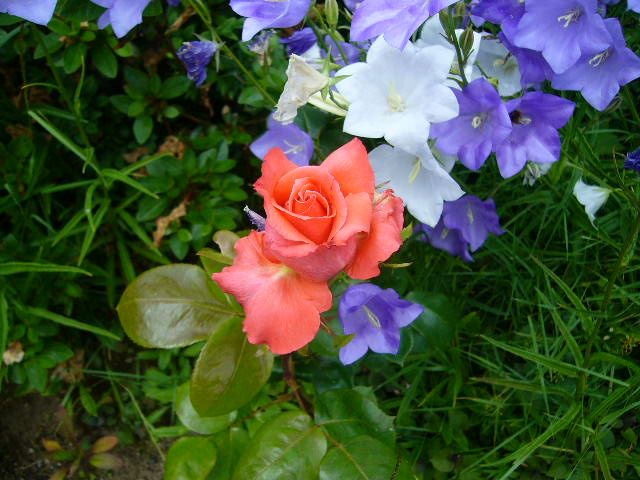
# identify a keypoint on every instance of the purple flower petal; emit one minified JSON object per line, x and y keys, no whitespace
{"x":196,"y":56}
{"x":374,"y":316}
{"x":36,"y":11}
{"x":482,"y":124}
{"x":294,"y":142}
{"x":473,"y":218}
{"x":263,"y":14}
{"x":122,"y":15}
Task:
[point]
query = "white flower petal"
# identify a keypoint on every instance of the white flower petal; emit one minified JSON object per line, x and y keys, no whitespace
{"x":424,"y":190}
{"x":591,"y":197}
{"x":302,"y":82}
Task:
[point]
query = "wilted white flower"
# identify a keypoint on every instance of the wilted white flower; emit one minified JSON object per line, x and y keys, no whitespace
{"x":495,"y":61}
{"x":591,"y":197}
{"x":302,"y":82}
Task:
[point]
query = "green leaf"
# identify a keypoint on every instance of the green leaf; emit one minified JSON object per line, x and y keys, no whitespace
{"x":229,"y":372}
{"x":288,"y":447}
{"x":171,"y":306}
{"x":174,"y":87}
{"x":73,"y":55}
{"x":351,"y":413}
{"x":106,"y":461}
{"x":142,"y":128}
{"x":190,"y":458}
{"x":190,"y":418}
{"x":362,"y":458}
{"x":87,"y":401}
{"x":105,"y":60}
{"x":11,"y":268}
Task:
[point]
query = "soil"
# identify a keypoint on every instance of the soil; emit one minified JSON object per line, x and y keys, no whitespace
{"x":26,"y":421}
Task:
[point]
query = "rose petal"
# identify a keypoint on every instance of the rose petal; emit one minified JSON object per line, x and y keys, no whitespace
{"x":350,"y":166}
{"x":383,"y":240}
{"x":282,"y":308}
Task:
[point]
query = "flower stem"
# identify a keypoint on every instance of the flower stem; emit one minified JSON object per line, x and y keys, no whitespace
{"x":206,"y":18}
{"x":290,"y":379}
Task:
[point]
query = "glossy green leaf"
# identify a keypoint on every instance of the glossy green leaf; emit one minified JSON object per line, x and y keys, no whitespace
{"x":362,"y":458}
{"x":350,"y":413}
{"x":190,"y":458}
{"x":230,"y":444}
{"x":190,"y":418}
{"x":288,"y":447}
{"x":171,"y":306}
{"x":229,"y":371}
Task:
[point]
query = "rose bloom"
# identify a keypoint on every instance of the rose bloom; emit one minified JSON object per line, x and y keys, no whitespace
{"x":321,"y":220}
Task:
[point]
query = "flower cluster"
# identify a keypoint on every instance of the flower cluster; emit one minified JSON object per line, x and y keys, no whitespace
{"x":320,"y":221}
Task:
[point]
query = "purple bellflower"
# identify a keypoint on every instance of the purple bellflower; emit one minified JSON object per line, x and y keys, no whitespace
{"x":482,"y":124}
{"x":36,"y":11}
{"x":300,"y":42}
{"x":173,"y":3}
{"x":464,"y":226}
{"x":374,"y":317}
{"x":534,"y":69}
{"x":633,"y":161}
{"x":449,"y":241}
{"x":634,"y":5}
{"x":122,"y":15}
{"x":396,"y":19}
{"x":506,"y":13}
{"x":342,"y":55}
{"x":599,"y":76}
{"x":263,"y":14}
{"x":196,"y":56}
{"x":536,"y":118}
{"x":563,"y":30}
{"x":294,"y":142}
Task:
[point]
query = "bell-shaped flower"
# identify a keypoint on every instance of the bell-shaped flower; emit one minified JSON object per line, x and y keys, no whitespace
{"x":482,"y":124}
{"x":296,"y":144}
{"x":374,"y":317}
{"x":397,"y":95}
{"x":122,"y":15}
{"x":599,"y":76}
{"x":263,"y":14}
{"x":465,"y":225}
{"x":634,"y":5}
{"x":591,"y":197}
{"x":36,"y":11}
{"x":632,"y":161}
{"x":536,"y":118}
{"x":397,"y":19}
{"x":302,"y":82}
{"x":196,"y":57}
{"x":433,"y":33}
{"x":300,"y":42}
{"x":563,"y":30}
{"x":417,"y":178}
{"x":496,"y":62}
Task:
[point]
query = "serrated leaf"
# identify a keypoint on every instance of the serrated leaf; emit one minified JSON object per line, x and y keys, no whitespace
{"x":171,"y":306}
{"x":288,"y":447}
{"x":229,"y":372}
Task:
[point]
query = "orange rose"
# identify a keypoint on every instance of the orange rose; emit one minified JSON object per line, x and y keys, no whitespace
{"x":321,"y":219}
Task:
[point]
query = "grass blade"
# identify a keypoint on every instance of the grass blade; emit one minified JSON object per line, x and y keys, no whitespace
{"x":11,"y":268}
{"x":69,"y":322}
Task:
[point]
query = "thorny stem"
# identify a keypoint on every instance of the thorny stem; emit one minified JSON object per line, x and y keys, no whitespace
{"x":626,"y":248}
{"x":290,"y":379}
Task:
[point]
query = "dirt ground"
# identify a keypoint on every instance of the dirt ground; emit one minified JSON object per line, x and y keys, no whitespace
{"x":26,"y":421}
